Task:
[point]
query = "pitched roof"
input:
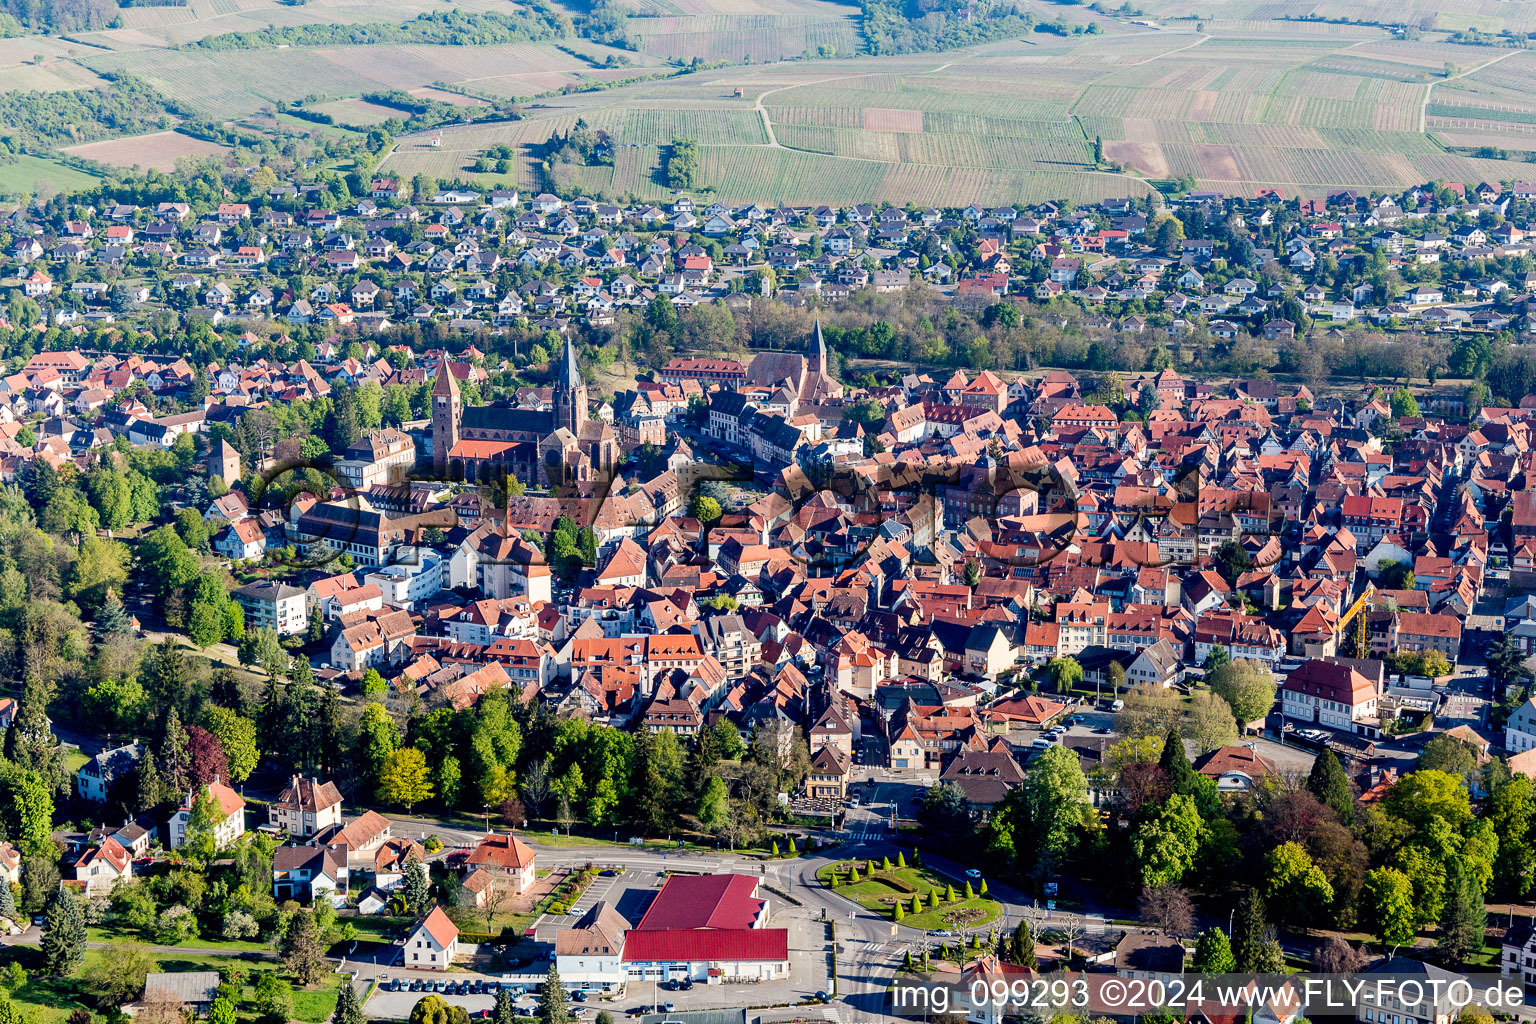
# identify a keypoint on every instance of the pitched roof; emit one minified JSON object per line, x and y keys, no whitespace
{"x":437,"y":925}
{"x":308,"y":794}
{"x":703,"y":902}
{"x":506,"y":852}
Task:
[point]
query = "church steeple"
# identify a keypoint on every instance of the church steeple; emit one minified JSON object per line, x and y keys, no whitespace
{"x":816,"y":350}
{"x":570,"y":397}
{"x":446,"y":412}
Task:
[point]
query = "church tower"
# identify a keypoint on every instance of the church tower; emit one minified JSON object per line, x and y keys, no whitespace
{"x":816,"y":352}
{"x":446,"y":413}
{"x":570,"y":394}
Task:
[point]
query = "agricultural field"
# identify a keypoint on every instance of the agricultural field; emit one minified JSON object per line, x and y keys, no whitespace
{"x":235,"y":83}
{"x":800,"y":114}
{"x":158,"y":151}
{"x":1238,"y":105}
{"x":33,"y":175}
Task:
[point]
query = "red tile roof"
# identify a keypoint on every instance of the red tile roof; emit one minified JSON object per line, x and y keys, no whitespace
{"x":443,"y":930}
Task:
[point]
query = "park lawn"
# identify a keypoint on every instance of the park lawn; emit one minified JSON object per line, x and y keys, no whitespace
{"x":875,"y":892}
{"x":74,"y":760}
{"x":985,"y":912}
{"x":110,"y":934}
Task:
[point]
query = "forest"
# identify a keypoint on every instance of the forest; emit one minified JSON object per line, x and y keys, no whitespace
{"x":530,"y":23}
{"x":34,"y":121}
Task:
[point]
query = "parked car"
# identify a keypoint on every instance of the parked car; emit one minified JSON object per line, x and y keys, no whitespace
{"x":669,"y":1006}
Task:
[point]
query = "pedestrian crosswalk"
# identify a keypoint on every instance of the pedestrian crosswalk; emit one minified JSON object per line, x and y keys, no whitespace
{"x":866,"y":835}
{"x":829,"y":1013}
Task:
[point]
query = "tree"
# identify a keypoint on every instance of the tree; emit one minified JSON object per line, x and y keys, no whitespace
{"x":714,"y":805}
{"x":1021,"y":947}
{"x":1066,"y":673}
{"x":1423,"y":796}
{"x":205,"y":757}
{"x":117,"y":976}
{"x":274,"y":998}
{"x":1232,"y":560}
{"x":348,"y":1009}
{"x":1464,"y":919}
{"x":553,"y":1010}
{"x":1168,"y":907}
{"x":237,"y":739}
{"x":943,"y":810}
{"x":1175,"y":764}
{"x":1448,"y":754}
{"x":1166,"y":843}
{"x":1336,"y":956}
{"x":1504,"y":659}
{"x":437,"y":1010}
{"x":1404,"y":404}
{"x":1149,"y":710}
{"x":506,"y":1007}
{"x":1038,"y":821}
{"x":405,"y":779}
{"x":1210,"y":723}
{"x":705,"y":509}
{"x":302,"y":948}
{"x":415,"y":887}
{"x":223,"y":1011}
{"x":1328,"y":783}
{"x":1387,"y":900}
{"x":1296,"y":886}
{"x":202,"y":839}
{"x":1213,"y":953}
{"x":1247,"y":686}
{"x":1251,"y":931}
{"x":63,"y":940}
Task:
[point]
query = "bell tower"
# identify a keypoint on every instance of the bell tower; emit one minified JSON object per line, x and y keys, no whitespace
{"x":570,"y":397}
{"x":446,"y":412}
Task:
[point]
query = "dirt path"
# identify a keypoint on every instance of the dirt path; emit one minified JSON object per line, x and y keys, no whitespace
{"x":1430,"y":88}
{"x":773,"y":140}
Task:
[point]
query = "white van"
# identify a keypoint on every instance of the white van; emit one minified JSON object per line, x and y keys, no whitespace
{"x":1044,"y":743}
{"x":1118,"y":705}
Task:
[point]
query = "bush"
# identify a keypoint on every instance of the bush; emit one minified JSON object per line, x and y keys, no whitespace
{"x":175,"y":925}
{"x":240,"y":925}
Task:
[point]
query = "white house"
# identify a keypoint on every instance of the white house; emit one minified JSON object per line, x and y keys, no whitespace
{"x":307,"y":872}
{"x":102,"y":866}
{"x":230,"y":828}
{"x":97,"y":775}
{"x":306,"y":806}
{"x":274,"y":605}
{"x":1520,"y":729}
{"x":406,"y":586}
{"x":1329,"y":694}
{"x":590,"y":955}
{"x":432,"y":943}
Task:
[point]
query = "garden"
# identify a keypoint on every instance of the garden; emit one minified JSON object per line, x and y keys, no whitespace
{"x":912,"y":894}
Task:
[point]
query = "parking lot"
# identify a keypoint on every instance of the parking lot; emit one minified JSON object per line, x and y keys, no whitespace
{"x":630,"y":893}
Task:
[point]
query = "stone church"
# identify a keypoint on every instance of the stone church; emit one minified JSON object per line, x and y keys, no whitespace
{"x":540,"y":447}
